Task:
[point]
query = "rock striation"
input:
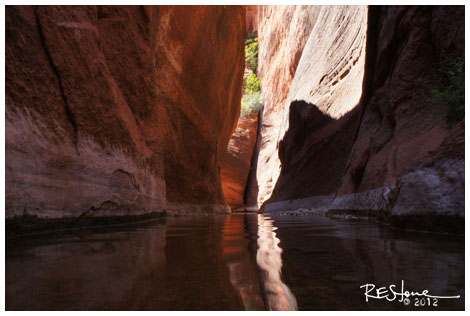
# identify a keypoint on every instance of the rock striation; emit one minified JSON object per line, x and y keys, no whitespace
{"x":109,"y":108}
{"x":405,"y":154}
{"x":320,"y":113}
{"x":128,"y":110}
{"x":353,"y":128}
{"x":282,"y":34}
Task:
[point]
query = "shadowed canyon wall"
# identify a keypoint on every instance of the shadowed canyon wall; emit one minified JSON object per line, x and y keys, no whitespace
{"x":346,"y":123}
{"x":406,"y":159}
{"x":119,"y":110}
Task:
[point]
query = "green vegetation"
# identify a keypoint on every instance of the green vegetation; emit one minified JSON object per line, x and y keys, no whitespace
{"x":251,"y":51}
{"x":252,"y":100}
{"x":449,"y":89}
{"x":251,"y":103}
{"x":253,"y":84}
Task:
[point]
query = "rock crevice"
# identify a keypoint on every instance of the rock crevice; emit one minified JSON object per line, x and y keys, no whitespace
{"x":68,"y":110}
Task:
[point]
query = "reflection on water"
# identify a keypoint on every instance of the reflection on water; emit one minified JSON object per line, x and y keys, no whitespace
{"x":189,"y":263}
{"x":325,"y":261}
{"x":268,"y":258}
{"x":85,"y":271}
{"x":231,"y":262}
{"x":238,"y":248}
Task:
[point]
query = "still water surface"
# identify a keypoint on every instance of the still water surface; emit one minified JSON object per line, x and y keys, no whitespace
{"x":233,"y":262}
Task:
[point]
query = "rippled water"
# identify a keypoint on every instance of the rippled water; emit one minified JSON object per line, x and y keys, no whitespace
{"x":232,"y":262}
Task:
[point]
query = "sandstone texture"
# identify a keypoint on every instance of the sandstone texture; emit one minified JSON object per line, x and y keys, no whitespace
{"x":237,"y":162}
{"x":305,"y":69}
{"x":403,"y":141}
{"x":251,"y":18}
{"x":282,"y":34}
{"x":127,"y":110}
{"x":353,"y":128}
{"x":107,"y":107}
{"x":321,"y":113}
{"x":200,"y":88}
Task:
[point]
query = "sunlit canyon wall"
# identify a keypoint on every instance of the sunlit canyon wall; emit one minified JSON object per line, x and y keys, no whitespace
{"x":312,"y":81}
{"x":346,"y":123}
{"x":237,"y":161}
{"x":282,"y":34}
{"x":120,"y":110}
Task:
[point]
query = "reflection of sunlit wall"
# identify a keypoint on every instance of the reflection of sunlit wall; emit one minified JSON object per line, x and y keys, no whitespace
{"x":268,"y":258}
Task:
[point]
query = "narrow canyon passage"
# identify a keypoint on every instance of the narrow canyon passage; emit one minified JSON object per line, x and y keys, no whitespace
{"x":233,"y":157}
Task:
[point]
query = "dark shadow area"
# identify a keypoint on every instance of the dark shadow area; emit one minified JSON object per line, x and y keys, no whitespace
{"x":325,"y":261}
{"x":186,"y":263}
{"x":313,"y":152}
{"x":250,"y":195}
{"x":28,"y":226}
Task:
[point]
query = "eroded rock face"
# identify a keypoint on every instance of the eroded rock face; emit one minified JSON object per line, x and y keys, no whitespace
{"x":403,"y":141}
{"x":69,"y":126}
{"x":237,"y":161}
{"x":321,"y":114}
{"x":282,"y":34}
{"x":322,"y":54}
{"x":358,"y":130}
{"x":200,"y":65}
{"x":107,"y":106}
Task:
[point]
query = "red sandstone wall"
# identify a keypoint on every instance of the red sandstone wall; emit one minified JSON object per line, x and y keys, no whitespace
{"x":237,"y":161}
{"x":251,"y":18}
{"x":346,"y":143}
{"x":405,"y":158}
{"x":107,"y":107}
{"x":200,"y":64}
{"x":282,"y":34}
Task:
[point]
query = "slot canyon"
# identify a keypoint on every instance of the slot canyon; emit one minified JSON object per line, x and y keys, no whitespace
{"x":233,"y":157}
